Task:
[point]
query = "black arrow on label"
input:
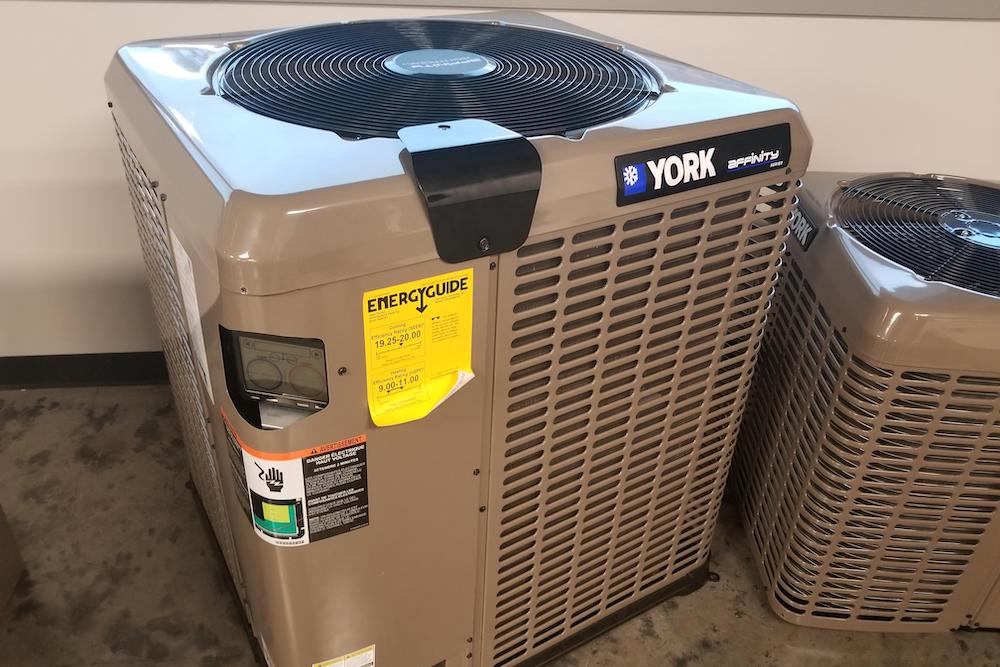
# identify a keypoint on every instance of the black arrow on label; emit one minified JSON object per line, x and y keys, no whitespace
{"x":422,"y":307}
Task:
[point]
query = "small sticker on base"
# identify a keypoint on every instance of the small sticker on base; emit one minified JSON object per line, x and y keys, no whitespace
{"x":363,"y":658}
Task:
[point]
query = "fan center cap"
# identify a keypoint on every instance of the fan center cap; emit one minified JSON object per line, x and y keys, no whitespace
{"x":440,"y":63}
{"x":975,"y":226}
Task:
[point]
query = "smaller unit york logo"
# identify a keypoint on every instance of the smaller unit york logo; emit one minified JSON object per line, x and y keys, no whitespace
{"x":634,"y":178}
{"x":802,"y":229}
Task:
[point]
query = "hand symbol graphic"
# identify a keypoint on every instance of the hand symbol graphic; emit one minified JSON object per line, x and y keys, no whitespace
{"x":274,"y":480}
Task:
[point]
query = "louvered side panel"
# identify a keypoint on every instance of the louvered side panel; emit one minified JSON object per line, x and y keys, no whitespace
{"x":624,"y":352}
{"x":866,"y":489}
{"x":801,"y":364}
{"x":155,"y":242}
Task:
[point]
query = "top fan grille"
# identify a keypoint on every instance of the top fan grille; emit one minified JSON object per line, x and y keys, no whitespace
{"x":944,"y":229}
{"x":346,"y":78}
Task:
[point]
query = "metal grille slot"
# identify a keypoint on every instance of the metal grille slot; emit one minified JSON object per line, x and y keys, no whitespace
{"x":624,"y":352}
{"x":865,"y":488}
{"x":156,"y":252}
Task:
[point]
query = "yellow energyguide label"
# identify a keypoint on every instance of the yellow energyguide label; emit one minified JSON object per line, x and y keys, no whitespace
{"x":418,"y":345}
{"x":363,"y":658}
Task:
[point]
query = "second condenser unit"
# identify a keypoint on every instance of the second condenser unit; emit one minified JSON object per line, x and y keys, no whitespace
{"x":460,"y":316}
{"x":868,"y":467}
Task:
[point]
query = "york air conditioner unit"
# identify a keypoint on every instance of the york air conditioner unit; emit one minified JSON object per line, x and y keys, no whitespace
{"x":460,"y":318}
{"x":869,"y":459}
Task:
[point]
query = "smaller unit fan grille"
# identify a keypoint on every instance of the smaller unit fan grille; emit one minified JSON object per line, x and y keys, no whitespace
{"x":366,"y":79}
{"x":944,"y":229}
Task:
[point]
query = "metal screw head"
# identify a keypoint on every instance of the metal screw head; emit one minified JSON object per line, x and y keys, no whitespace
{"x":342,"y":370}
{"x":482,"y":508}
{"x":163,"y":197}
{"x":243,"y":290}
{"x":476,"y":471}
{"x":493,"y":265}
{"x":484,"y":244}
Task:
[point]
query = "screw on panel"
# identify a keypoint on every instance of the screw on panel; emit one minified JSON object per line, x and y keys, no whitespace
{"x":468,"y":639}
{"x":342,"y":370}
{"x":154,"y":184}
{"x":468,"y":655}
{"x":493,"y":265}
{"x":476,"y":471}
{"x":484,"y":244}
{"x":243,"y":290}
{"x":163,"y":197}
{"x":482,"y":508}
{"x":110,"y":105}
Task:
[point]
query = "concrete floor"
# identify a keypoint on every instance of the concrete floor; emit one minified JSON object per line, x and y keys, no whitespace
{"x":122,"y":569}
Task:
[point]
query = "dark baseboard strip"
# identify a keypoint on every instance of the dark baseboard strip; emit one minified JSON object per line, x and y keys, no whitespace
{"x":83,"y":370}
{"x":689,"y":583}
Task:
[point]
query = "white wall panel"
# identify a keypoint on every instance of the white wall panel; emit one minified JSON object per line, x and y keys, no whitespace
{"x":878,"y":94}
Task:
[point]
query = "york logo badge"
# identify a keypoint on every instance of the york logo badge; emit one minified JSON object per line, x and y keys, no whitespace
{"x":676,"y":169}
{"x":634,"y":179}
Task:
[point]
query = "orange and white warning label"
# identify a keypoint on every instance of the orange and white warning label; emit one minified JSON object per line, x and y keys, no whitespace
{"x":295,"y":498}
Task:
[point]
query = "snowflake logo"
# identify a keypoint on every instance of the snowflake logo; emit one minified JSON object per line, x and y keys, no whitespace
{"x":634,"y":179}
{"x":631,"y":175}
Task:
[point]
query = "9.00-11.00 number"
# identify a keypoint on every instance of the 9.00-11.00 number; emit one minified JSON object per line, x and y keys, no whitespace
{"x":398,"y":383}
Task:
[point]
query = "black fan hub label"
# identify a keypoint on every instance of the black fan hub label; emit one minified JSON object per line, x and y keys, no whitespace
{"x":672,"y":169}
